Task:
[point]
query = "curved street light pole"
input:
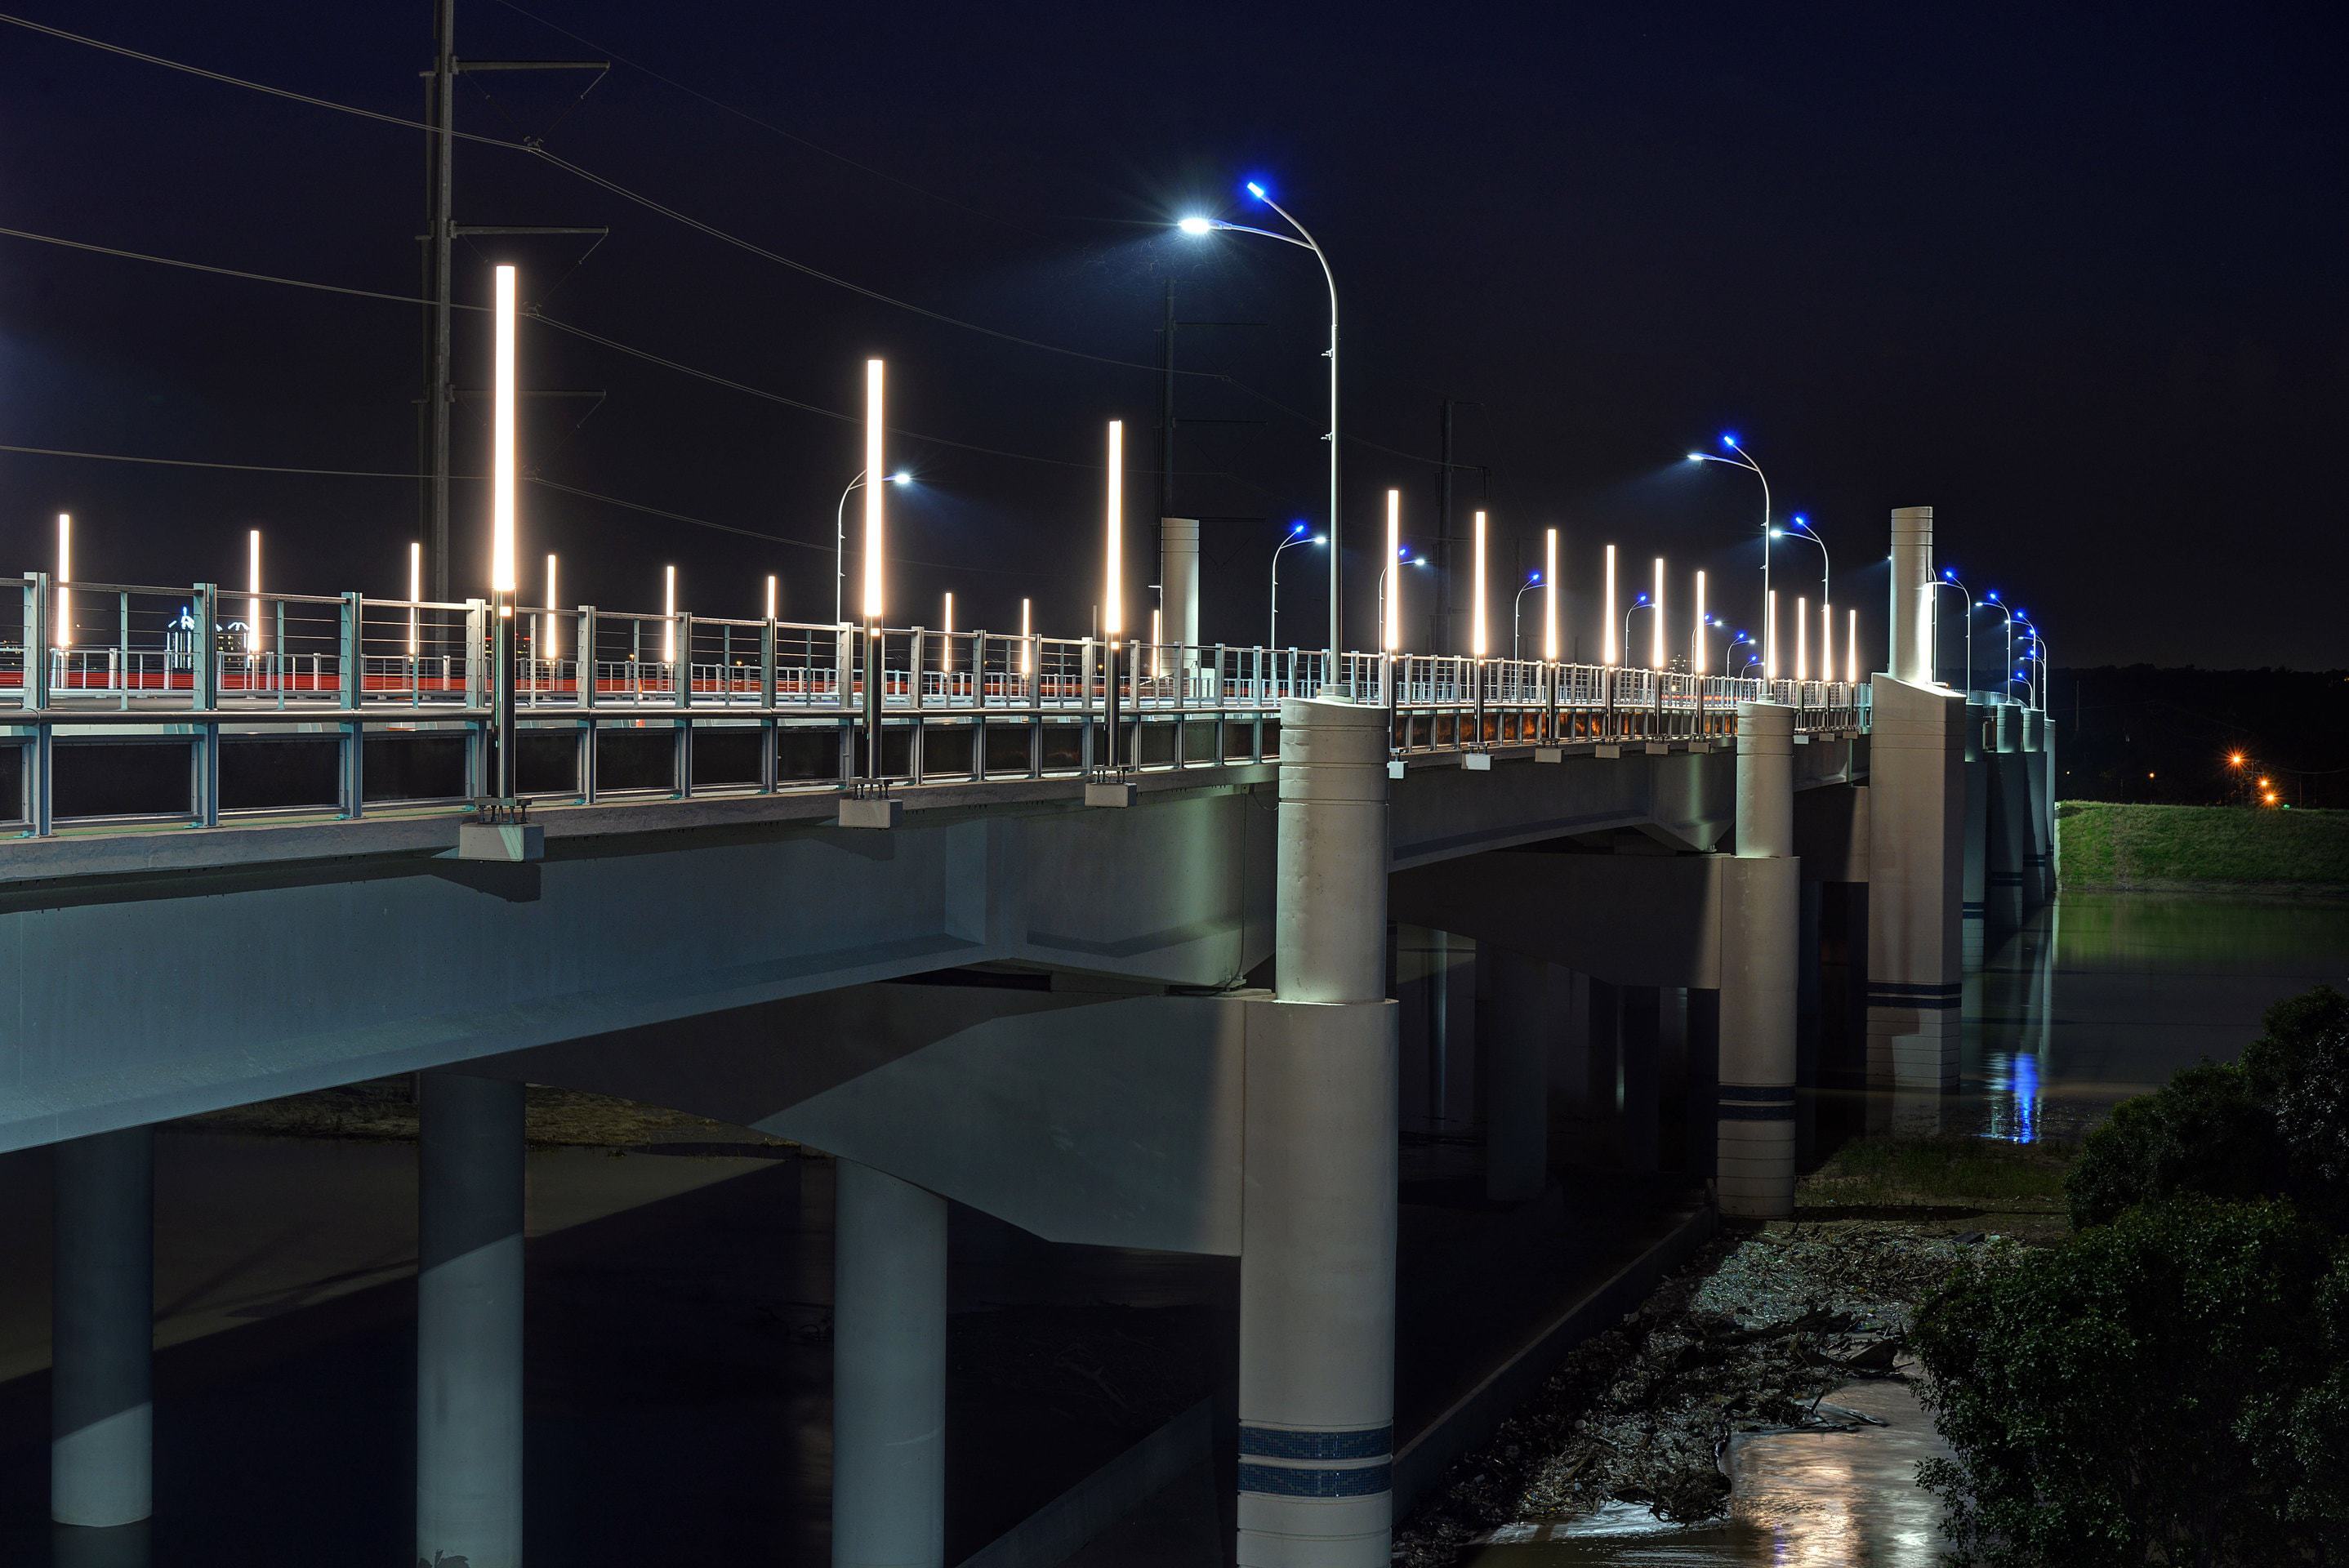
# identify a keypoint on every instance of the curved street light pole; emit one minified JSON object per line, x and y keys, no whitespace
{"x":1296,"y":536}
{"x":1516,"y":607}
{"x":1635,"y":607}
{"x":1744,"y":460}
{"x":840,"y":546}
{"x":1405,"y":558}
{"x":1949,"y":579}
{"x":1799,"y":527}
{"x":1304,"y":241}
{"x":2008,"y":679}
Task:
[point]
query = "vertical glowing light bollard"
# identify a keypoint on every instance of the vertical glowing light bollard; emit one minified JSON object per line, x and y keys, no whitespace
{"x":505,"y":566}
{"x":468,"y":1321}
{"x":1916,"y":825}
{"x":1114,"y":589}
{"x":1761,"y":906}
{"x":1317,"y":1218}
{"x":1606,"y":615}
{"x":1549,"y":637}
{"x":62,"y":633}
{"x":873,"y":600}
{"x":1656,"y":658}
{"x":415,"y":596}
{"x":253,"y":591}
{"x":102,"y":1294}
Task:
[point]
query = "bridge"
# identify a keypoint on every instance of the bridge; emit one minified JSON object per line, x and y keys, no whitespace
{"x":1158,"y":899}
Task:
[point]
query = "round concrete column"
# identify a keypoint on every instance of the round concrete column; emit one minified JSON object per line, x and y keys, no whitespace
{"x":102,"y":1330}
{"x":1911,"y":652}
{"x":1317,"y":1217}
{"x":469,"y":1320}
{"x":889,"y":1373}
{"x":1515,"y":1049}
{"x":1974,"y":898}
{"x":1761,"y":915}
{"x":2038,"y":880}
{"x":1329,"y":869}
{"x":2010,"y":824}
{"x":1178,"y":578}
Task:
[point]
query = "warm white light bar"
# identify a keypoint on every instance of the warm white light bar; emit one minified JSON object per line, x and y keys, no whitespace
{"x":774,"y":592}
{"x":1157,"y":643}
{"x":1609,"y":617}
{"x":253,"y":603}
{"x":1026,"y":639}
{"x":1770,"y":635}
{"x":946,"y":630}
{"x":668,"y":614}
{"x":1550,"y":595}
{"x":62,"y":631}
{"x":1113,"y":553}
{"x":1697,"y":649}
{"x":1392,"y":612}
{"x":504,"y":573}
{"x":1659,"y":603}
{"x":1826,"y":641}
{"x":1851,"y":647}
{"x":546,"y":649}
{"x":873,"y":489}
{"x":1477,"y":639}
{"x":1802,"y":638}
{"x":415,"y":593}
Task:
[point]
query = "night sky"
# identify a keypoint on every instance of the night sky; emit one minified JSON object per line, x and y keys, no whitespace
{"x":2072,"y":276}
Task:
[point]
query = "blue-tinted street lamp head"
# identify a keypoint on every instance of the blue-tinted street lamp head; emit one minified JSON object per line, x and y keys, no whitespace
{"x":1778,"y":534}
{"x":1533,"y":577}
{"x":1729,"y":439}
{"x":1419,"y":560}
{"x":1295,"y":529}
{"x":900,"y":477}
{"x":1640,"y":600}
{"x":1402,"y":552}
{"x":1696,"y":456}
{"x":1195,"y":225}
{"x":1320,"y":538}
{"x":1950,"y":573}
{"x":1256,"y":191}
{"x":1992,"y":595}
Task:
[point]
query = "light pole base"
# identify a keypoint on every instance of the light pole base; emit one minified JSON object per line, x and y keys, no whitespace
{"x":1111,"y":792}
{"x":1658,"y":748}
{"x":870,"y":810}
{"x":1607,"y":753}
{"x":1476,"y":761}
{"x":1549,"y":754}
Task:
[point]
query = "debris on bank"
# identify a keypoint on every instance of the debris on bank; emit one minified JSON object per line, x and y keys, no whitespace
{"x":1747,"y":1338}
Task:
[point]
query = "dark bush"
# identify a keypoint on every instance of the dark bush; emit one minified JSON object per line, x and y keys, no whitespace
{"x":2165,"y":1389}
{"x":2204,"y":1134}
{"x":2301,"y":1068}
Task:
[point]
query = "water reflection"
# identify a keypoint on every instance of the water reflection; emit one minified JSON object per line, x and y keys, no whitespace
{"x":1805,"y":1500}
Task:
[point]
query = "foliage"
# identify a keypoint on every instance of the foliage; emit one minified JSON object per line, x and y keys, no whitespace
{"x":2205,"y":1133}
{"x":2101,"y":845}
{"x":2165,"y":1389}
{"x":2301,"y":1068}
{"x":1946,"y":1167}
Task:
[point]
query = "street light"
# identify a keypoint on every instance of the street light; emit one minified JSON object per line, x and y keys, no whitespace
{"x":840,"y":531}
{"x":1391,"y":599}
{"x":1949,"y":579}
{"x":1304,"y":241}
{"x":1633,"y":608}
{"x":1992,"y":601}
{"x":1516,"y":607}
{"x":1744,"y":460}
{"x":1297,"y":535}
{"x":1799,"y":527}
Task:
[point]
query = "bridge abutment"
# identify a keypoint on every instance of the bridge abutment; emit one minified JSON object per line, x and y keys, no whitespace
{"x":889,"y":1373}
{"x":1760,"y":975}
{"x":469,"y":1320}
{"x":101,"y":1381}
{"x":1319,"y":1202}
{"x":1525,"y":1014}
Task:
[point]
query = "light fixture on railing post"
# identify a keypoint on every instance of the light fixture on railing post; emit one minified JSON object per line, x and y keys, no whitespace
{"x":253,"y":599}
{"x":506,"y":569}
{"x":62,"y":633}
{"x":1851,"y":647}
{"x":1659,"y":658}
{"x":774,"y":594}
{"x":1696,"y":640}
{"x":1770,"y":635}
{"x":668,"y":616}
{"x":1157,"y":641}
{"x":871,"y":600}
{"x":546,"y":637}
{"x":946,"y":636}
{"x":1826,"y":641}
{"x":1549,"y":596}
{"x":415,"y":596}
{"x":1113,"y":586}
{"x":1608,"y":620}
{"x":1802,"y":639}
{"x":1026,"y":639}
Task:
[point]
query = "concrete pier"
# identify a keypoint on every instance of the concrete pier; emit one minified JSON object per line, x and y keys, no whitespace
{"x":101,"y":1384}
{"x":889,"y":1373}
{"x":1974,"y":905}
{"x":1524,"y":1015}
{"x":1761,"y":915}
{"x":1916,"y":825}
{"x":2038,"y":865}
{"x":2010,"y":825}
{"x":469,"y":1320}
{"x":1318,"y":1227}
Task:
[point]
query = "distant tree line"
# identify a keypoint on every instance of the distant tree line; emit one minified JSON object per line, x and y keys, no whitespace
{"x":2137,"y":732}
{"x":2171,"y":1385}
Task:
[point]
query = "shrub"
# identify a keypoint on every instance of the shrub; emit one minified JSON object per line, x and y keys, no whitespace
{"x":2301,"y":1068}
{"x":2205,"y":1133}
{"x":2164,"y":1389}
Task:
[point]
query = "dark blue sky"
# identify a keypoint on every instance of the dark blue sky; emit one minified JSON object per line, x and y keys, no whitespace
{"x":2071,"y":275}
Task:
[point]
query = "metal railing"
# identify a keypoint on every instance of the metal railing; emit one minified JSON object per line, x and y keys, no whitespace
{"x":775,"y":704}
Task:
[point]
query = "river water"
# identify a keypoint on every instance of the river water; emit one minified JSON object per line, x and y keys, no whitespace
{"x":2094,"y":1001}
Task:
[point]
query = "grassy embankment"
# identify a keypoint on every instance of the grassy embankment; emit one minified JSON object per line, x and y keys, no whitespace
{"x":2104,"y":847}
{"x":1947,"y":1183}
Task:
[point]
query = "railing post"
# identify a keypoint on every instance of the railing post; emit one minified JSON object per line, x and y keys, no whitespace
{"x":40,"y":757}
{"x":681,"y":684}
{"x":585,"y":651}
{"x":770,"y":740}
{"x":354,"y":757}
{"x":204,"y":655}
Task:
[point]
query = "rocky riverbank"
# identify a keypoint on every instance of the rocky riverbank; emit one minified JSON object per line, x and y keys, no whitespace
{"x":1749,"y":1337}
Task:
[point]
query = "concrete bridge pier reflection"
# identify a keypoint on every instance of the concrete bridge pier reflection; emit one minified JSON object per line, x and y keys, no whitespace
{"x":469,"y":1320}
{"x":2038,"y":864}
{"x":101,"y":1441}
{"x":2008,"y":873}
{"x":889,"y":1373}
